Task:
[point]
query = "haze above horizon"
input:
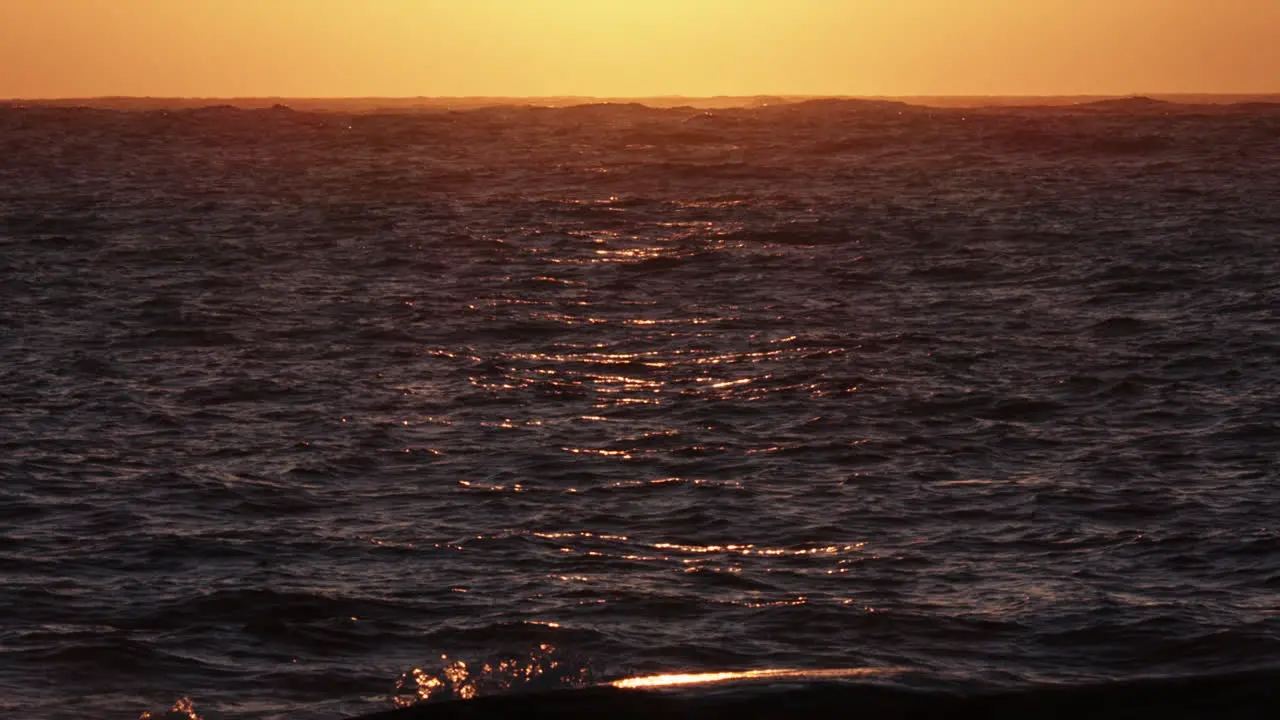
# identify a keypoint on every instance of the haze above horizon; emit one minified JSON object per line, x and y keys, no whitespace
{"x":635,"y":48}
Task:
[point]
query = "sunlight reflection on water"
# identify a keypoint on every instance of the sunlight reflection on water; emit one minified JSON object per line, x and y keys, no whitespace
{"x":545,"y":668}
{"x":707,"y":678}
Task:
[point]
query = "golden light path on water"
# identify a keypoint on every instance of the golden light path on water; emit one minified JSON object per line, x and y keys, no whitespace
{"x":708,"y":678}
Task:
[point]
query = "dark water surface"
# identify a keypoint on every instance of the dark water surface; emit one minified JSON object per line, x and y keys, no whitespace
{"x":292,"y":405}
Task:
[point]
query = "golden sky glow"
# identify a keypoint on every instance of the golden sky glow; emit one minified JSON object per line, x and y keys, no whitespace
{"x":336,"y":48}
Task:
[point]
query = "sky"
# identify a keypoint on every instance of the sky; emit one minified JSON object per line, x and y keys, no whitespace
{"x":635,"y":48}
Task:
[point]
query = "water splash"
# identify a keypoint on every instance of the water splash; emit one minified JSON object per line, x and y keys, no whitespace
{"x":541,"y":669}
{"x":183,"y":709}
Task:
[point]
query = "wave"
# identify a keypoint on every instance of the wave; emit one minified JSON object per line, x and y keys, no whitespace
{"x":771,"y":694}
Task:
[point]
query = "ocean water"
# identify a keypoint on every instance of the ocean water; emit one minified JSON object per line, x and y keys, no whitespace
{"x":310,"y":415}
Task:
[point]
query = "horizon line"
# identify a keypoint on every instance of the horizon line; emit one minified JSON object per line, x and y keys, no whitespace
{"x":836,"y":96}
{"x":467,"y":103}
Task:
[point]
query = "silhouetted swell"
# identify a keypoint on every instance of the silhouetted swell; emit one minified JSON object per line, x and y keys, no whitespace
{"x":294,"y":403}
{"x":1244,"y":696}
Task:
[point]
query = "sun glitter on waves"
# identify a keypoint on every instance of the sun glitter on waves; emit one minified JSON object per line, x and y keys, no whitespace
{"x":709,"y":678}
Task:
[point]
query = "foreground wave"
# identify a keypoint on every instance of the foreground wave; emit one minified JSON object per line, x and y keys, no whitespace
{"x":1242,"y":695}
{"x":1250,"y":695}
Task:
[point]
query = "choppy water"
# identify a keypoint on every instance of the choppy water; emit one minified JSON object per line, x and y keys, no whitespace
{"x":293,"y":404}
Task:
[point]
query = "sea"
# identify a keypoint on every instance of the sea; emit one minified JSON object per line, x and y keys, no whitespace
{"x":777,"y":409}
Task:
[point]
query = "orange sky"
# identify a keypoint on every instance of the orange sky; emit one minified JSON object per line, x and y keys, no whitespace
{"x":330,"y":48}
